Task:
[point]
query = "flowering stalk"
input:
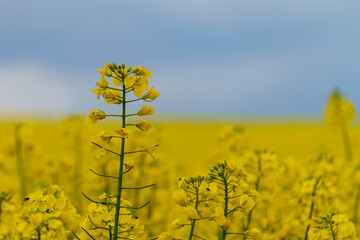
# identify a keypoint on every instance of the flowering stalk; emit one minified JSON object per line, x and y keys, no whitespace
{"x":130,"y":80}
{"x":226,"y":198}
{"x":231,"y":180}
{"x":312,"y":206}
{"x":120,"y":175}
{"x":193,"y":222}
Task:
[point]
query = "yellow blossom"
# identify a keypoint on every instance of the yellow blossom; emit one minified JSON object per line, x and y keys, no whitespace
{"x":96,"y":115}
{"x":105,"y":136}
{"x":106,"y":70}
{"x":146,"y":110}
{"x":123,"y":132}
{"x":180,"y":197}
{"x":151,"y":95}
{"x":227,"y":224}
{"x":142,"y":71}
{"x":143,"y":125}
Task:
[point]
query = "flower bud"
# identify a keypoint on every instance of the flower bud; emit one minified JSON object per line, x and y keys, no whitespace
{"x":151,"y":95}
{"x":144,"y":125}
{"x":96,"y":115}
{"x":146,"y":110}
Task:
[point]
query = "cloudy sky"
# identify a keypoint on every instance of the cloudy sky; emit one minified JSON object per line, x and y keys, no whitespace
{"x":208,"y":57}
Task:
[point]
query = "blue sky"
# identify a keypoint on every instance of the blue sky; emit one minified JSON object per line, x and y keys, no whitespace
{"x":208,"y":57}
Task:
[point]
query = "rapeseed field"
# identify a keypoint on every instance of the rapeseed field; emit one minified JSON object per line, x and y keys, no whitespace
{"x":120,"y":175}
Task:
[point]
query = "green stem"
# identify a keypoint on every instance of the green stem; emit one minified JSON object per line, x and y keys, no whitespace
{"x":332,"y":231}
{"x":312,"y":207}
{"x":226,"y":203}
{"x":118,"y":200}
{"x":39,"y":234}
{"x":194,"y":221}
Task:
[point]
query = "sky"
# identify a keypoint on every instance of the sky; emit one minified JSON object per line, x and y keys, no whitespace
{"x":246,"y":58}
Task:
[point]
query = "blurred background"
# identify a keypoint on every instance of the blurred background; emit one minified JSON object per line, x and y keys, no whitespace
{"x":224,"y":59}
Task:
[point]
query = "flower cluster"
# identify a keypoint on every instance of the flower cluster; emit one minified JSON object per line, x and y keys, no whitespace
{"x":47,"y":214}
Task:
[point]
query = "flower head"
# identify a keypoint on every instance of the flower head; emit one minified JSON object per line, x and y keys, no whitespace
{"x":123,"y":132}
{"x":96,"y":115}
{"x":144,"y":125}
{"x":146,"y":110}
{"x":151,"y":95}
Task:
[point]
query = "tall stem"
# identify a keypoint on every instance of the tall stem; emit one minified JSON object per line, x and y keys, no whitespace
{"x":118,"y":198}
{"x":312,"y":207}
{"x":226,"y":203}
{"x":332,"y":231}
{"x":194,"y":221}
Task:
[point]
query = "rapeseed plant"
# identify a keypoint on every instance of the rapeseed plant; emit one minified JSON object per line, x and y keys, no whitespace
{"x":111,"y":217}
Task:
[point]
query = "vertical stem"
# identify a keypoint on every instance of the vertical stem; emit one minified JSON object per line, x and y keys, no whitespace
{"x":194,"y":221}
{"x":312,"y":207}
{"x":39,"y":234}
{"x":332,"y":231}
{"x":118,"y":198}
{"x":20,"y":162}
{"x":226,"y":203}
{"x":192,"y":229}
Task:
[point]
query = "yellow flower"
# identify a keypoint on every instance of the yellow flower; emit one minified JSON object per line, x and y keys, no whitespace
{"x":165,"y":236}
{"x":146,"y":110}
{"x":142,"y":71}
{"x":191,"y":213}
{"x":180,"y":197}
{"x":106,"y":70}
{"x":36,"y":219}
{"x":345,"y":229}
{"x":112,"y":96}
{"x":54,"y":224}
{"x":105,"y":136}
{"x":143,"y":125}
{"x":177,"y":224}
{"x":123,"y":132}
{"x":151,"y":95}
{"x":96,"y":115}
{"x":219,"y":217}
{"x":103,"y":196}
{"x":254,"y":233}
{"x":227,"y":224}
{"x":116,"y":81}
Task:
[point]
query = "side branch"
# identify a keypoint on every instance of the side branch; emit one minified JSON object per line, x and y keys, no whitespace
{"x":108,"y":150}
{"x":105,"y":203}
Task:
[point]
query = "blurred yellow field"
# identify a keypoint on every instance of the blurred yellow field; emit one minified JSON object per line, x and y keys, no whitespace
{"x":61,"y":153}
